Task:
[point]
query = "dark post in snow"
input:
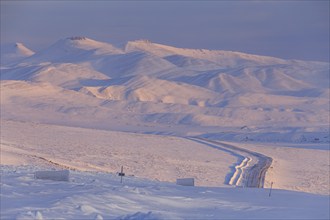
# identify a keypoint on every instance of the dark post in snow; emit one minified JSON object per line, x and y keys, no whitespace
{"x":121,"y":174}
{"x":270,"y":191}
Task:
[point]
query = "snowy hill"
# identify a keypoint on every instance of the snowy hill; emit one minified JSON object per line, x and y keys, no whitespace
{"x":222,"y":58}
{"x":157,"y":85}
{"x":73,"y":49}
{"x":14,"y":52}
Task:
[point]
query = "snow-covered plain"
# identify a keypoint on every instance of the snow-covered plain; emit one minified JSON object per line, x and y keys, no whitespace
{"x":91,"y":107}
{"x":161,"y":158}
{"x":102,"y":196}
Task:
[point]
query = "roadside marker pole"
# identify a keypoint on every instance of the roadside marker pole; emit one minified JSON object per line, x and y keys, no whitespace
{"x":270,"y":191}
{"x":121,"y":174}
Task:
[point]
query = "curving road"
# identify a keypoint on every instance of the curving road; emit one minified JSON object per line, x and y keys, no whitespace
{"x":251,"y":171}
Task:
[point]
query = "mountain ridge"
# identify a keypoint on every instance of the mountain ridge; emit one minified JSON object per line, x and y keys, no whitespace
{"x":158,"y":85}
{"x":162,"y":50}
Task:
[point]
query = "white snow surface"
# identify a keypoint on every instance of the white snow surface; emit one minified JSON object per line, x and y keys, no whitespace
{"x":94,"y":191}
{"x":155,"y":157}
{"x":91,"y":107}
{"x":91,"y":195}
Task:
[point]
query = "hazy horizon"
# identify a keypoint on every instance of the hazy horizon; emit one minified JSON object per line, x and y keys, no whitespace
{"x":285,"y":29}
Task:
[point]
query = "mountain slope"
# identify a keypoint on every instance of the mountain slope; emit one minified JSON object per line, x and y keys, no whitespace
{"x":149,"y":89}
{"x":222,"y":58}
{"x":133,"y":63}
{"x":149,"y":84}
{"x":74,"y":49}
{"x":14,"y":52}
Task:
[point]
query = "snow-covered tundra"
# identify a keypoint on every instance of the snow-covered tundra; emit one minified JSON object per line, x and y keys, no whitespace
{"x":90,"y":107}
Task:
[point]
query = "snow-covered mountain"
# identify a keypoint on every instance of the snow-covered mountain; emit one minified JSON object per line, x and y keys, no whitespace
{"x":73,"y":50}
{"x":150,"y":84}
{"x":14,"y":52}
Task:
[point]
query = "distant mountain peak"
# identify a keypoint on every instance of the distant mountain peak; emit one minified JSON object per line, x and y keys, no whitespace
{"x":17,"y":44}
{"x":143,"y":41}
{"x":12,"y":52}
{"x":74,"y":49}
{"x":22,"y":49}
{"x":77,"y":38}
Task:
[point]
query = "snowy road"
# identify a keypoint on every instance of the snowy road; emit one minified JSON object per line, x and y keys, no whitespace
{"x":252,"y":169}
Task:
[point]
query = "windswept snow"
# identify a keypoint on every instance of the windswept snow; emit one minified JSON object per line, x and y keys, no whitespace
{"x":101,"y":196}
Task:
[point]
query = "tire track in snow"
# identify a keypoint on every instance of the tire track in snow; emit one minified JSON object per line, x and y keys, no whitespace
{"x":251,"y":171}
{"x":237,"y":177}
{"x":233,"y":171}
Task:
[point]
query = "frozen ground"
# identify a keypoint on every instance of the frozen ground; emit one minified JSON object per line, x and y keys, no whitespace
{"x":156,"y":157}
{"x":97,"y":195}
{"x":150,"y":156}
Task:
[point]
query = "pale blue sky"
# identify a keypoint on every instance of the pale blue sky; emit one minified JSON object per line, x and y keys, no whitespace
{"x":286,"y":29}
